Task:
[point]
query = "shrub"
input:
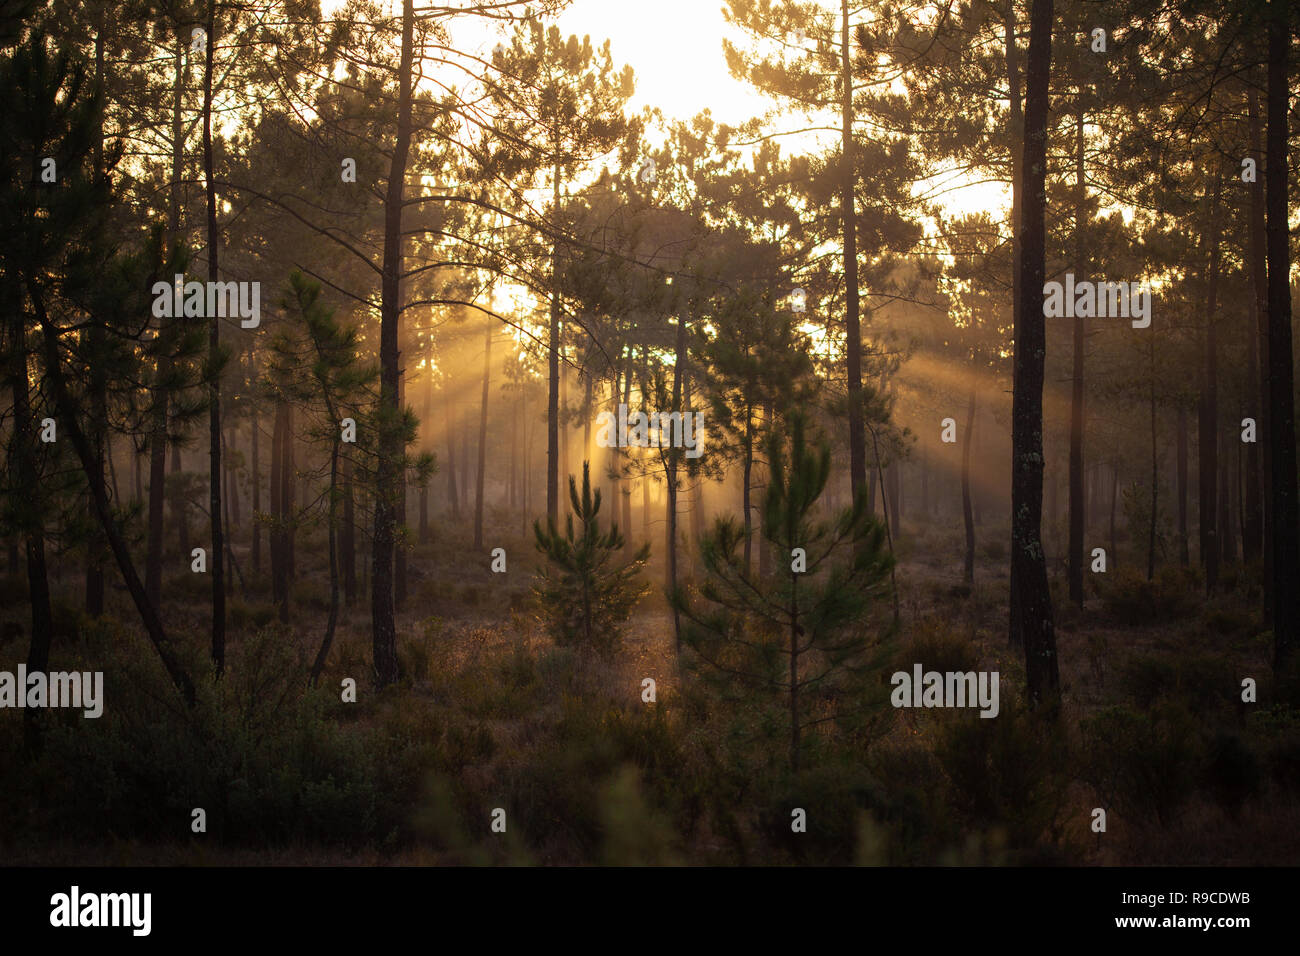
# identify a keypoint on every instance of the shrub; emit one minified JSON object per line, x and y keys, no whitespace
{"x":585,"y":593}
{"x":1145,"y":764}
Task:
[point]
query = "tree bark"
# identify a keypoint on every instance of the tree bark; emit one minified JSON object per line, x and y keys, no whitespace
{"x":1208,"y":450}
{"x":848,"y":224}
{"x":482,"y":437}
{"x":673,"y":460}
{"x":1184,"y":556}
{"x":968,"y":572}
{"x":255,"y":442}
{"x":1031,"y":625}
{"x":279,"y":578}
{"x":1286,"y":556}
{"x":449,"y":424}
{"x":387,"y":484}
{"x":1076,"y":392}
{"x":158,"y":431}
{"x":1155,"y":461}
{"x":24,"y":467}
{"x":1257,"y":251}
{"x":553,"y":367}
{"x":348,"y":536}
{"x":218,"y":561}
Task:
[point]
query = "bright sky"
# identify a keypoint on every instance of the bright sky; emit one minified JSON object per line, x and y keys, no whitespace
{"x":675,"y":48}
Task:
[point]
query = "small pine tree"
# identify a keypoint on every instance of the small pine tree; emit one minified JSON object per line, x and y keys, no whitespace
{"x":585,"y":594}
{"x":799,"y":632}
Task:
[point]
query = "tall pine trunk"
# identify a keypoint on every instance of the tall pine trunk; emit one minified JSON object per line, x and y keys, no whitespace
{"x":255,"y":441}
{"x":1286,"y":550}
{"x":480,"y":478}
{"x":968,"y":571}
{"x":158,"y":430}
{"x":348,"y":536}
{"x":217,"y":557}
{"x":848,"y":225}
{"x":279,"y":575}
{"x":1031,"y":625}
{"x":388,"y":468}
{"x":674,"y":460}
{"x":553,"y":366}
{"x":449,"y":425}
{"x":26,"y":483}
{"x":1075,"y":545}
{"x":1184,"y":556}
{"x":1208,"y":450}
{"x":1257,"y":251}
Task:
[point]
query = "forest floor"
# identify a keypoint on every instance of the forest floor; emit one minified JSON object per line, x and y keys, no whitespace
{"x":491,"y":714}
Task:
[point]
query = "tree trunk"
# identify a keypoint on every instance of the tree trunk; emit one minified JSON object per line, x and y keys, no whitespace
{"x":255,"y":442}
{"x":1076,"y":392}
{"x":1184,"y":556}
{"x":674,"y":453}
{"x":512,"y":486}
{"x":288,"y":474}
{"x":1015,"y":135}
{"x":1286,"y":556}
{"x":279,"y":577}
{"x":348,"y":536}
{"x":1227,"y":533}
{"x":480,"y":478}
{"x":618,"y":453}
{"x":895,"y":497}
{"x":553,"y":368}
{"x":332,"y":622}
{"x":848,"y":221}
{"x":98,"y":419}
{"x":24,"y":468}
{"x":794,"y":672}
{"x":1155,"y":461}
{"x":399,"y":550}
{"x":158,"y":432}
{"x":746,"y":477}
{"x":1208,"y":450}
{"x":387,"y":484}
{"x":217,"y":568}
{"x":138,"y":497}
{"x":968,"y":572}
{"x":1257,"y":251}
{"x":1031,"y":598}
{"x":1114,"y":499}
{"x":448,"y":418}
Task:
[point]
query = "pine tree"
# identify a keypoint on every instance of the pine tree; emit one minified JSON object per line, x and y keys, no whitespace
{"x":318,"y":363}
{"x":585,"y":593}
{"x":801,"y":634}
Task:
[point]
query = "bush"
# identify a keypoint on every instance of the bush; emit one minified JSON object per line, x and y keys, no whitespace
{"x":262,"y":756}
{"x":1006,"y":777}
{"x":1195,"y":679}
{"x":1127,"y":595}
{"x":1144,"y":764}
{"x":587,"y":595}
